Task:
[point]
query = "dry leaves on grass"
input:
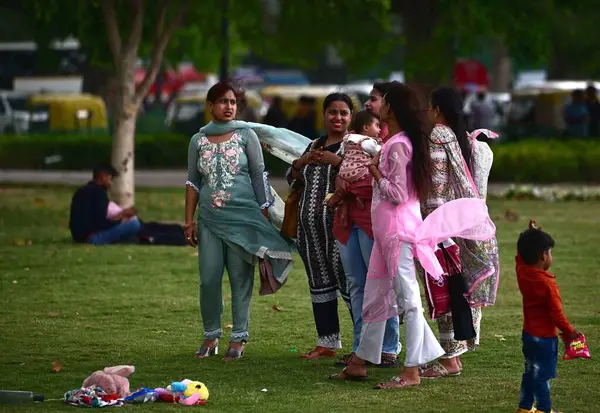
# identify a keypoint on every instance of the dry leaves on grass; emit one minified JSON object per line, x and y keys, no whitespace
{"x":276,"y":309}
{"x":56,"y":366}
{"x":228,"y":326}
{"x":20,"y":242}
{"x":511,"y":215}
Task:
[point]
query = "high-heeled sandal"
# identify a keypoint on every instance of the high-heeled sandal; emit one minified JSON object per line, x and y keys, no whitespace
{"x":207,"y":351}
{"x":235,"y":353}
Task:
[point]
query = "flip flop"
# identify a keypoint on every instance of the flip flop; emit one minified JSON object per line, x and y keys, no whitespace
{"x":436,"y":368}
{"x":344,"y":376}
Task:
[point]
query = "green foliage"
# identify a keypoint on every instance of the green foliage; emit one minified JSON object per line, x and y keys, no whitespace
{"x":299,"y":35}
{"x":80,"y":152}
{"x":532,"y":161}
{"x":546,"y":161}
{"x":302,"y":31}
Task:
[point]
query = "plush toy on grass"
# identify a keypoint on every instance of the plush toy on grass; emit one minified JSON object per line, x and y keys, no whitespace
{"x":186,"y":392}
{"x":113,"y":380}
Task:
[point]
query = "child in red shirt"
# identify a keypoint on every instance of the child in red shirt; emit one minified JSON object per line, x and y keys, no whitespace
{"x":543,"y":316}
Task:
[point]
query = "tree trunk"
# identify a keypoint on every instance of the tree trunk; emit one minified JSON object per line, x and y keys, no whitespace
{"x":123,"y":189}
{"x":128,"y":98}
{"x":123,"y":161}
{"x":501,"y":68}
{"x":427,"y":60}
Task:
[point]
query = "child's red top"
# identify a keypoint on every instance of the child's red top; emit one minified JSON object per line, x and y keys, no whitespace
{"x":542,"y":307}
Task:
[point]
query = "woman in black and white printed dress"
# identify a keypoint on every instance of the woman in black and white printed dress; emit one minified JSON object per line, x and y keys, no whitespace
{"x":317,"y":169}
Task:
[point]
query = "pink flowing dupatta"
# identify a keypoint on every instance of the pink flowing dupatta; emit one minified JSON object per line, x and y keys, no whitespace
{"x":490,"y":134}
{"x":395,"y":224}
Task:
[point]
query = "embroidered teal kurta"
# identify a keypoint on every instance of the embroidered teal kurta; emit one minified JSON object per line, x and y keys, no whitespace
{"x":233,"y":188}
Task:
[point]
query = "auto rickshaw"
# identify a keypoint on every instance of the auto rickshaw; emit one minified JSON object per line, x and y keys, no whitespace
{"x":189,"y":112}
{"x":538,"y":110}
{"x":290,"y":96}
{"x":71,"y":112}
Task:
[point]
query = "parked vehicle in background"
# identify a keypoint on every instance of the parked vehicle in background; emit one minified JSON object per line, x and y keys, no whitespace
{"x":538,"y":110}
{"x":290,"y":96}
{"x":15,"y":114}
{"x":187,"y":113}
{"x":68,"y":112}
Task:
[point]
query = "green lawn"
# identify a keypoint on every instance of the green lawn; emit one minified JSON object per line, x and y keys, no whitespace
{"x":93,"y":307}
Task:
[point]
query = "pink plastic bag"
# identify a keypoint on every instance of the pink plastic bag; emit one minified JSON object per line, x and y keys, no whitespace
{"x":577,"y":348}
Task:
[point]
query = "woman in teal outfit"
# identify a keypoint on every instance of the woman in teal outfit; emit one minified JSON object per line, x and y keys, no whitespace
{"x":228,"y":185}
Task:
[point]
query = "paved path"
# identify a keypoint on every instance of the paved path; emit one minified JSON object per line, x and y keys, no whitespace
{"x":165,"y":178}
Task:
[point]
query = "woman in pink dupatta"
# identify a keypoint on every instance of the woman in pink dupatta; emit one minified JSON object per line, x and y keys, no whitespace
{"x":402,"y":175}
{"x":461,"y":167}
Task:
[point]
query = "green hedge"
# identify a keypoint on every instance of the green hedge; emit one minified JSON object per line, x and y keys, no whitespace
{"x":81,"y":152}
{"x":547,"y":161}
{"x":535,"y":161}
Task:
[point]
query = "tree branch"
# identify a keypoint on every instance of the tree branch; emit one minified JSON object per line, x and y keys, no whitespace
{"x":135,"y":36}
{"x":158,"y":51}
{"x":112,"y":30}
{"x":163,"y":6}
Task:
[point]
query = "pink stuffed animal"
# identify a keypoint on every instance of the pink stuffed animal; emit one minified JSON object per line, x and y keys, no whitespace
{"x":113,"y":380}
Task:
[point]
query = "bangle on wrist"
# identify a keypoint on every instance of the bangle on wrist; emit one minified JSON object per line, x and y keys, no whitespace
{"x":188,"y":225}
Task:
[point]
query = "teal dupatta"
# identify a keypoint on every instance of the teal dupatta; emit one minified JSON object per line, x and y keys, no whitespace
{"x":282,"y":143}
{"x":233,"y":188}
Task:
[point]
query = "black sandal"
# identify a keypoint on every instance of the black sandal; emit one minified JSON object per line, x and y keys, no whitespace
{"x":388,"y":361}
{"x":207,"y":351}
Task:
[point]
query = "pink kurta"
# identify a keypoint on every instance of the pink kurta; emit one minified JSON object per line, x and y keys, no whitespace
{"x":396,"y":218}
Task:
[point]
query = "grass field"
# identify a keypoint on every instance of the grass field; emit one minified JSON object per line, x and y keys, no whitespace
{"x":93,"y":307}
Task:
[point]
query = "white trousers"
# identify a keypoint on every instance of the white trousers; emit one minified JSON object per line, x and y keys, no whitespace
{"x":421,"y":344}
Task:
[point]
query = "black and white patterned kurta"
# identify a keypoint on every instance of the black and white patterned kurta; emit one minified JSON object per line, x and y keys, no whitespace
{"x":318,"y":248}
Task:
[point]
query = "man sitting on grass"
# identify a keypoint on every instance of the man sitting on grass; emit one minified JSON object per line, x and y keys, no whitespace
{"x":89,"y":222}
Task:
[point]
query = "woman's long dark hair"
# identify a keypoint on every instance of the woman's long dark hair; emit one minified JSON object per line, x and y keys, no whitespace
{"x":450,"y":104}
{"x":412,"y":119}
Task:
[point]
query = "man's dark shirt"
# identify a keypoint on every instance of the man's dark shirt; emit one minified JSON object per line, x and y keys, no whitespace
{"x":88,"y":212}
{"x":594,"y":109}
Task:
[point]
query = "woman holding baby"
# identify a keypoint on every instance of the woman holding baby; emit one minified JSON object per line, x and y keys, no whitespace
{"x":352,"y":227}
{"x":402,"y":176}
{"x":316,"y":171}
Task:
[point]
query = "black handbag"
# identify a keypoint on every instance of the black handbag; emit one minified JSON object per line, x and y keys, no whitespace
{"x":462,"y":317}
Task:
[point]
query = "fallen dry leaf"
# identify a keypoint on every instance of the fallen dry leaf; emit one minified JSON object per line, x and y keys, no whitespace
{"x":511,"y":215}
{"x":195,"y":254}
{"x":20,"y":242}
{"x":276,"y":309}
{"x":52,"y":314}
{"x":56,"y":366}
{"x":229,"y":326}
{"x":15,"y":281}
